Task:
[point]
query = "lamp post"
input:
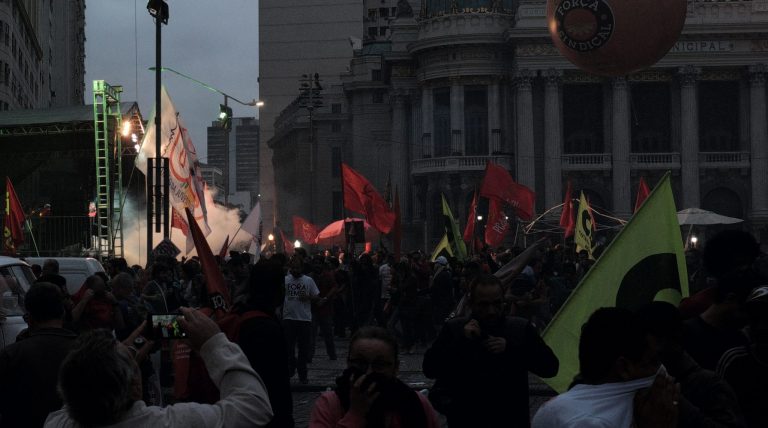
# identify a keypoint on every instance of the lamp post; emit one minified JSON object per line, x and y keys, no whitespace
{"x":225,"y":118}
{"x":158,"y":9}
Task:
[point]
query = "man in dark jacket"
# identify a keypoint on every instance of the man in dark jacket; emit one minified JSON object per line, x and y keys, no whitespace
{"x":481,"y":363}
{"x":29,"y":368}
{"x":263,"y":341}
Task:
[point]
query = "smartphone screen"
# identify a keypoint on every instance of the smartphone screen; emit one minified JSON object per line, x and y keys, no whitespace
{"x":167,"y":327}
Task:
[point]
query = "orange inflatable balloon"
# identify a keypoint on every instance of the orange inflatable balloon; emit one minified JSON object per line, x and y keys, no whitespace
{"x":615,"y":37}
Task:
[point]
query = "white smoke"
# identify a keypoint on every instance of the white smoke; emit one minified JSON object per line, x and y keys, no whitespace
{"x":222,"y":221}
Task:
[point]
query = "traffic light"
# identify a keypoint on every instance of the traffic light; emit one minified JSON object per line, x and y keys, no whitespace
{"x":225,"y":117}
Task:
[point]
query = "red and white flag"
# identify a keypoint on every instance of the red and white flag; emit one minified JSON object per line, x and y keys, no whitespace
{"x":186,"y":184}
{"x":499,"y":185}
{"x":304,"y":230}
{"x":497,"y":226}
{"x":179,"y":222}
{"x":361,"y":197}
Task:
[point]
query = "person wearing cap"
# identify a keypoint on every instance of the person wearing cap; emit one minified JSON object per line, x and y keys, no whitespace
{"x":745,"y":368}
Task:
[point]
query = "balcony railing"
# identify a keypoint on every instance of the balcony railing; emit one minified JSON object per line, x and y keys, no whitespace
{"x":724,"y":159}
{"x":654,"y":160}
{"x":458,"y":163}
{"x":587,"y":162}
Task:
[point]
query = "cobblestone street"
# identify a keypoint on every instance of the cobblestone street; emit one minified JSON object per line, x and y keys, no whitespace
{"x":323,"y":372}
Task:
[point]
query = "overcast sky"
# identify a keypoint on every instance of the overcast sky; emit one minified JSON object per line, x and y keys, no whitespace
{"x":212,"y":41}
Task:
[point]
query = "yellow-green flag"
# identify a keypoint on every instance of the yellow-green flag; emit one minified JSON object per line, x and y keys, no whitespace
{"x":645,"y":262}
{"x":585,"y":226}
{"x":442,"y":245}
{"x":452,"y":232}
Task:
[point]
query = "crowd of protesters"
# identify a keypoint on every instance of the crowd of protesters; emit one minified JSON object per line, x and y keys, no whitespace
{"x":478,"y":323}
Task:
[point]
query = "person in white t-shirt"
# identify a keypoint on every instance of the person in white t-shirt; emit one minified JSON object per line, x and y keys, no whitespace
{"x":621,"y":383}
{"x":300,"y":291}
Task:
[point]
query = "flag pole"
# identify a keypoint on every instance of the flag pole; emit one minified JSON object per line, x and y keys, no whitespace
{"x":31,"y":235}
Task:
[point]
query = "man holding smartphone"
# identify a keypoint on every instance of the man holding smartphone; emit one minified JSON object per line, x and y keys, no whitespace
{"x":481,"y":363}
{"x":101,"y":384}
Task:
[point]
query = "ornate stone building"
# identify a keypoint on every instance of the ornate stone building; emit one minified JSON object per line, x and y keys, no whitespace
{"x":463,"y":82}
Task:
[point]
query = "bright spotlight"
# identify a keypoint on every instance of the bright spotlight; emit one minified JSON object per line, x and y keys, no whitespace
{"x":137,"y":147}
{"x":297,"y":244}
{"x":126,"y":128}
{"x":134,"y":138}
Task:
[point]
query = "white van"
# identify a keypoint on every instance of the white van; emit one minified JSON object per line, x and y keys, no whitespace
{"x":74,"y":269}
{"x":15,"y":279}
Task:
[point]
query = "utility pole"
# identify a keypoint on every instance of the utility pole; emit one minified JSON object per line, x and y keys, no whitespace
{"x":310,"y":98}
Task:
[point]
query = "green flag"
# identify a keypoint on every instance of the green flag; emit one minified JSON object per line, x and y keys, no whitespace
{"x":645,"y":262}
{"x":452,"y":231}
{"x":443,"y":245}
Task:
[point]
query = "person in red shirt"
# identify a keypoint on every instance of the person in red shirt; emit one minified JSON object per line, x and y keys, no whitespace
{"x":95,"y":306}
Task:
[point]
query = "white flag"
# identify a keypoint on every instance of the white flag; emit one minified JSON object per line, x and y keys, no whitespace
{"x":252,"y":225}
{"x":186,"y":184}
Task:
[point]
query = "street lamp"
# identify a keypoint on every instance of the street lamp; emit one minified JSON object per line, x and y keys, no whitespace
{"x":158,"y":9}
{"x":224,"y":118}
{"x":694,"y":240}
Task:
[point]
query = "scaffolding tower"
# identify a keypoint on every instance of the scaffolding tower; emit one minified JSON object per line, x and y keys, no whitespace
{"x":107,"y":124}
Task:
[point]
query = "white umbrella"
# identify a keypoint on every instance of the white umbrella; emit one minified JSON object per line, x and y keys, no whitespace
{"x":699,"y":216}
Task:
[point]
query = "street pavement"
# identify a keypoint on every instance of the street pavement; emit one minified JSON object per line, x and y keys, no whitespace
{"x":323,"y":372}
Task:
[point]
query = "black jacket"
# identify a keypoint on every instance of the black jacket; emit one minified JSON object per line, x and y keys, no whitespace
{"x":29,"y":372}
{"x":488,"y":390}
{"x":263,"y":342}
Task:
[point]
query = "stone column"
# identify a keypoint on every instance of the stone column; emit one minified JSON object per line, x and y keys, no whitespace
{"x":689,"y":136}
{"x":400,"y":147}
{"x":758,"y":141}
{"x":457,"y":117}
{"x":494,"y":118}
{"x":427,"y":122}
{"x":525,"y":168}
{"x":620,"y":145}
{"x":417,"y":150}
{"x":553,"y":139}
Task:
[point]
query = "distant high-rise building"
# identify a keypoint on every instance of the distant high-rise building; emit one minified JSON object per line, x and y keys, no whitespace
{"x":243,"y":167}
{"x":297,"y":38}
{"x":42,"y":53}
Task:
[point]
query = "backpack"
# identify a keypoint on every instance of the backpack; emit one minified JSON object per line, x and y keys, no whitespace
{"x":191,"y":381}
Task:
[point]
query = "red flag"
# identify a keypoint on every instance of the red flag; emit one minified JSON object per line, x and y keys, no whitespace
{"x":288,"y":247}
{"x":13,"y":226}
{"x":469,"y":230}
{"x":397,"y":229}
{"x":642,"y":194}
{"x":224,"y":248}
{"x":361,"y":197}
{"x":499,"y":185}
{"x":304,"y":230}
{"x":567,"y":221}
{"x":214,"y":280}
{"x":498,"y":226}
